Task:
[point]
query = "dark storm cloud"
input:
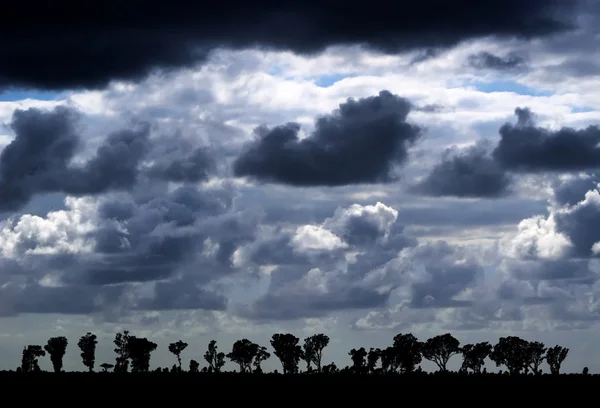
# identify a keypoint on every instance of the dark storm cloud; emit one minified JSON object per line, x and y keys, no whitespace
{"x":80,"y":48}
{"x":524,"y":147}
{"x":40,"y":159}
{"x":358,"y":143}
{"x":485,"y":60}
{"x":468,"y":173}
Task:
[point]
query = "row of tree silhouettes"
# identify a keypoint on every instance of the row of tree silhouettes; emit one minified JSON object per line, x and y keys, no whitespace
{"x":517,"y":355}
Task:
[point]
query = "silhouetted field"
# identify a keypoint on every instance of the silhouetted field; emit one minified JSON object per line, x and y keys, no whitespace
{"x":233,"y":380}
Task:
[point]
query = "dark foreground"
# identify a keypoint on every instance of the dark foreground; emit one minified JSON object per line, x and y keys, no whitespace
{"x":309,"y":390}
{"x":75,"y":379}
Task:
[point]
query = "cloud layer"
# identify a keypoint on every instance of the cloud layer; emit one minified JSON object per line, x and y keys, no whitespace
{"x":130,"y":41}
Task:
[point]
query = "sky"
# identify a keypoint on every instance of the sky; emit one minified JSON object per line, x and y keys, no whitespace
{"x":237,"y":171}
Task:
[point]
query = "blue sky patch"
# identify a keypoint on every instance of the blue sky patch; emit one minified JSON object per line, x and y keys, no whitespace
{"x":508,"y":86}
{"x":582,"y":109}
{"x":325,"y":81}
{"x":20,"y":94}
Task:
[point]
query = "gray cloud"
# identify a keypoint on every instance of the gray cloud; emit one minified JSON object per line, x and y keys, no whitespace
{"x":297,"y":289}
{"x":486,"y":60}
{"x":524,"y":147}
{"x":181,"y":162}
{"x":449,"y":271}
{"x":182,"y":295}
{"x":580,"y":223}
{"x":147,"y":254}
{"x":156,"y":239}
{"x":531,"y":289}
{"x":41,"y":159}
{"x":469,"y":172}
{"x":572,"y":191}
{"x":334,"y":154}
{"x":38,"y":160}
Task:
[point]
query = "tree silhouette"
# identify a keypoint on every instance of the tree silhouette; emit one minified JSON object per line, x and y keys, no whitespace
{"x":474,"y":356}
{"x":440,"y":348}
{"x":555,"y":357}
{"x":535,"y":356}
{"x":372,"y":358}
{"x":122,"y":362}
{"x":87,"y":345}
{"x":389,"y":360}
{"x":511,"y":352}
{"x":313,"y":350}
{"x":139,"y":350}
{"x":243,"y":353}
{"x":406,"y":352}
{"x":519,"y":356}
{"x":288,"y":351}
{"x":359,"y":360}
{"x":29,"y":361}
{"x":177,"y":348}
{"x":215,"y":359}
{"x":56,"y":349}
{"x":261,"y":355}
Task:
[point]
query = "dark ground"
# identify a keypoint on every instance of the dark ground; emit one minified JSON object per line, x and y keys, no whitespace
{"x":236,"y":379}
{"x":200,"y":389}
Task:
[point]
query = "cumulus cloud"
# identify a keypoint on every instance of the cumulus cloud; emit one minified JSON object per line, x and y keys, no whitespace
{"x":580,"y":221}
{"x":352,"y":278}
{"x":469,"y":172}
{"x":524,"y":147}
{"x":568,"y":230}
{"x":334,"y":154}
{"x":538,"y":238}
{"x":315,"y":238}
{"x":46,"y":154}
{"x":363,"y":224}
{"x":124,"y":253}
{"x":545,"y":276}
{"x":549,"y":271}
